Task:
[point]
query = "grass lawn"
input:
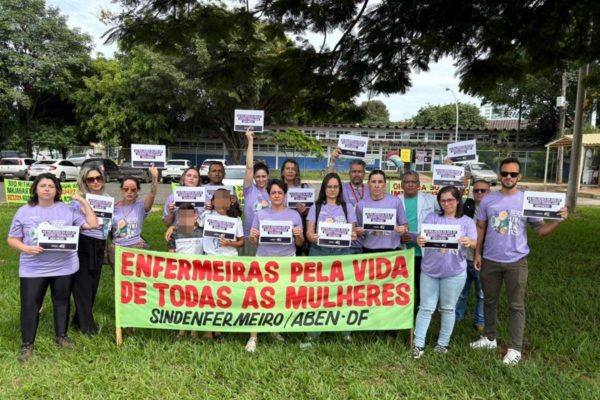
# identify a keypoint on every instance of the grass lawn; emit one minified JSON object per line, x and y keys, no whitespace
{"x":561,"y":353}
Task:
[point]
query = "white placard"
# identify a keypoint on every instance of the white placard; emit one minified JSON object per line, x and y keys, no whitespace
{"x":216,"y":225}
{"x":62,"y":238}
{"x":244,"y":119}
{"x":103,"y":206}
{"x":353,"y":146}
{"x":276,"y":232}
{"x":189,"y":194}
{"x":447,"y":175}
{"x":462,"y":151}
{"x":441,"y":236}
{"x":189,"y":246}
{"x":296,"y":196}
{"x":211,"y":189}
{"x":379,"y":219}
{"x":543,"y":204}
{"x":144,"y":155}
{"x":334,"y":234}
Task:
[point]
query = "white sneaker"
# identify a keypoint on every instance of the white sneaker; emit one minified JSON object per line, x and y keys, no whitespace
{"x":484,"y":343}
{"x":251,"y":345}
{"x":417,"y":352}
{"x":512,"y":357}
{"x":277,"y":336}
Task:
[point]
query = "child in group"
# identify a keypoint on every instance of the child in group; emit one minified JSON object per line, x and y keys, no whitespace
{"x":185,"y":237}
{"x":213,"y":246}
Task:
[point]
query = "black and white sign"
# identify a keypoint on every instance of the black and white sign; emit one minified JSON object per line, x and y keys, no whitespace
{"x":189,"y":194}
{"x":441,"y":236}
{"x":462,"y":151}
{"x":276,"y":232}
{"x":103,"y":206}
{"x":333,"y":234}
{"x":353,"y":146}
{"x":543,"y":204}
{"x":220,"y":226}
{"x":63,"y":238}
{"x":379,"y":219}
{"x":447,"y":175}
{"x":144,"y":155}
{"x":244,"y":119}
{"x":296,"y":196}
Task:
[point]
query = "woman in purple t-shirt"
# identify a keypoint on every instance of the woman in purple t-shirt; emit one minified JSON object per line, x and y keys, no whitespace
{"x":130,"y":213}
{"x":255,"y":192}
{"x":278,"y":212}
{"x":443,"y":271}
{"x":39,"y":267}
{"x":91,"y":249}
{"x":290,"y":174}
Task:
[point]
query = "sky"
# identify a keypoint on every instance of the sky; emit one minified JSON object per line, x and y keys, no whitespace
{"x":427,"y":87}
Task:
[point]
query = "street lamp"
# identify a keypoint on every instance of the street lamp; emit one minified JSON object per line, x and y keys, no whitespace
{"x":456,"y":104}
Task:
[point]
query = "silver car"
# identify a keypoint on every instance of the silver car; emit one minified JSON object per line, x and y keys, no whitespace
{"x":475,"y":171}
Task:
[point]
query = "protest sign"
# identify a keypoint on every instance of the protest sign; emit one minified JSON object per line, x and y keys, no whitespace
{"x":220,"y":226}
{"x":353,"y":146}
{"x":103,"y":206}
{"x":276,"y":232}
{"x":441,"y":235}
{"x":61,"y":238}
{"x":296,"y":196}
{"x":144,"y":155}
{"x":379,"y":219}
{"x":17,"y":192}
{"x":238,"y":189}
{"x":262,"y":294}
{"x":462,"y":151}
{"x":543,"y":204}
{"x":447,"y":175}
{"x":189,"y":194}
{"x":244,"y":119}
{"x":334,"y":234}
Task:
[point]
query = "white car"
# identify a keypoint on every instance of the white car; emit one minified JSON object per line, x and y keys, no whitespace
{"x":475,"y":171}
{"x":174,"y":169}
{"x":14,"y":167}
{"x":234,"y":175}
{"x":78,"y":158}
{"x":206,"y":165}
{"x":64,"y":170}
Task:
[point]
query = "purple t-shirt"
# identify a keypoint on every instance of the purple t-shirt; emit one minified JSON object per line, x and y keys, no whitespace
{"x":332,"y":213}
{"x":127,"y":223}
{"x":268,"y":214}
{"x":101,"y":232}
{"x":255,"y":199}
{"x":47,"y":263}
{"x":171,"y":198}
{"x":352,"y":196}
{"x":442,"y":263}
{"x":378,"y":239}
{"x":506,"y":234}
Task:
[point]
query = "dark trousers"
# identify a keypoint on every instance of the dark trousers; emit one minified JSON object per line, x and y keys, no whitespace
{"x":514,"y":275}
{"x":33,"y":291}
{"x":417,"y":285}
{"x":86,"y":282}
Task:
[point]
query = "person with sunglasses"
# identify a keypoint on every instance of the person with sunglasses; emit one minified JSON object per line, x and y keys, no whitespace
{"x":130,"y":213}
{"x":90,"y":251}
{"x":501,"y":256}
{"x":470,"y":207}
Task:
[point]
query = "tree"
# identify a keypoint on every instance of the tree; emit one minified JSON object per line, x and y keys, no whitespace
{"x":41,"y":62}
{"x":445,"y":116}
{"x":376,"y":113}
{"x":297,"y":141}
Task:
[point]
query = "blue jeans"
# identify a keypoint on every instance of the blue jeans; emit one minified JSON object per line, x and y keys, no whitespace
{"x":461,"y":306}
{"x":446,"y":292}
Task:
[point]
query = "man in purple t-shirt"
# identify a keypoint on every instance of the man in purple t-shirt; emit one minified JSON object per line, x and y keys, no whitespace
{"x":503,"y":229}
{"x":353,"y":191}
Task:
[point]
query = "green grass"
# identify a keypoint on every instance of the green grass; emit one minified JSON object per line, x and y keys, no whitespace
{"x":561,"y":353}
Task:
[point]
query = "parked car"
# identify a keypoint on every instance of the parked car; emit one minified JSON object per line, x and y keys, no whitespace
{"x":78,"y":158}
{"x":14,"y":167}
{"x":205,"y":165}
{"x":234,"y":175}
{"x":112,"y":171}
{"x":173,"y":170}
{"x":477,"y":170}
{"x":12,"y":154}
{"x":64,"y":170}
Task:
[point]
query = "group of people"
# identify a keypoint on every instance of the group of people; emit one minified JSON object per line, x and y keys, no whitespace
{"x":443,"y":277}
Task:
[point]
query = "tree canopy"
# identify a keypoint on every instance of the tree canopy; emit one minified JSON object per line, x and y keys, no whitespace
{"x":445,"y":116}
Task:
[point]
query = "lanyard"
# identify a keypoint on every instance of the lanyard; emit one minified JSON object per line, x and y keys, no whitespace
{"x":362,"y":194}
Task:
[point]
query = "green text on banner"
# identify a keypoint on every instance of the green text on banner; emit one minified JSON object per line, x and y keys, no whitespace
{"x":263,"y":294}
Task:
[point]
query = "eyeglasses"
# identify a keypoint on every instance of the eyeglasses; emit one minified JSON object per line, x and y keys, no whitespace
{"x":92,"y":179}
{"x":504,"y":174}
{"x":133,"y":190}
{"x":480,"y":190}
{"x":444,"y":201}
{"x":331,"y":187}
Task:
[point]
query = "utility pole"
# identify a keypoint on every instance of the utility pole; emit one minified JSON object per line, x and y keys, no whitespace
{"x":576,"y":149}
{"x":561,"y":127}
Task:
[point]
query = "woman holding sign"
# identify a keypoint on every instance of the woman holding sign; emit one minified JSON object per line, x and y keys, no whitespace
{"x":276,"y":231}
{"x":130,"y":213}
{"x":290,"y":174}
{"x":381,"y":217}
{"x":255,"y":192}
{"x":444,"y":266}
{"x":91,"y":249}
{"x":40,"y":267}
